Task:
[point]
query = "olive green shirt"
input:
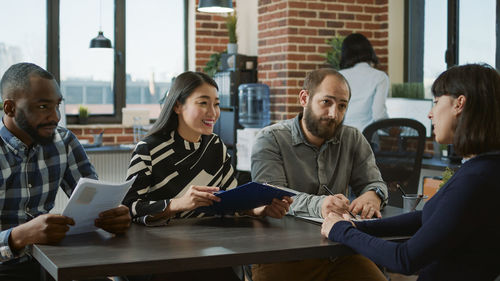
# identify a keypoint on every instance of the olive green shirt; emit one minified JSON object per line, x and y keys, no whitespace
{"x":282,"y":156}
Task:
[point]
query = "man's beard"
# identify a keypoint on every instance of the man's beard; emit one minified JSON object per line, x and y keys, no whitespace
{"x":324,"y":128}
{"x":22,"y":122}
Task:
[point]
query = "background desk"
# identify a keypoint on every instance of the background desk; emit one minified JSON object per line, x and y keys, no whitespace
{"x":186,"y":245}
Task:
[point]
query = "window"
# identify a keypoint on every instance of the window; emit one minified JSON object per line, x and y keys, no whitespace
{"x":477,"y":37}
{"x":91,"y":70}
{"x":155,"y":51}
{"x":453,"y":32}
{"x":20,"y":39}
{"x":105,"y":80}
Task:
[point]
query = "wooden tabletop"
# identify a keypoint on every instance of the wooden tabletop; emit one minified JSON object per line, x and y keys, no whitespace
{"x":187,"y":244}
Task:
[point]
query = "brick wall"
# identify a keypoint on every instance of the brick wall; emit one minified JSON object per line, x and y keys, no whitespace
{"x":291,"y":40}
{"x":113,"y":134}
{"x":210,"y":36}
{"x":292,"y":37}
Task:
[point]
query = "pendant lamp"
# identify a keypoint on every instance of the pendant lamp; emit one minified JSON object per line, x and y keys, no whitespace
{"x":216,"y":6}
{"x":100,"y":41}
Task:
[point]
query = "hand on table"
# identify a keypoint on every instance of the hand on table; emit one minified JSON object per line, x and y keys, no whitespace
{"x":331,"y":220}
{"x":367,"y":205}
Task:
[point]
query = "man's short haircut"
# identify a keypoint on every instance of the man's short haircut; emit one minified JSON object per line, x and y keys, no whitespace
{"x":17,"y":78}
{"x":314,"y":78}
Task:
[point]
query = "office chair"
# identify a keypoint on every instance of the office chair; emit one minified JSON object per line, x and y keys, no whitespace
{"x":398,"y":145}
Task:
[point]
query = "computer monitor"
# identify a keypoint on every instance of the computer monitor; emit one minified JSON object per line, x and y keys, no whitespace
{"x":411,"y":108}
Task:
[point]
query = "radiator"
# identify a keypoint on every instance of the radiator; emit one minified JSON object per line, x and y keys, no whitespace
{"x":110,"y":167}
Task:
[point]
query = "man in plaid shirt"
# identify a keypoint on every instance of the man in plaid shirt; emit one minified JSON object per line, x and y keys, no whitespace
{"x":36,"y":157}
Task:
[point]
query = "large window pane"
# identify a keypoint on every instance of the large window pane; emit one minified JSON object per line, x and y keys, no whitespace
{"x":23,"y":33}
{"x":477,"y":38}
{"x":155,"y":50}
{"x":435,"y":40}
{"x":89,"y":70}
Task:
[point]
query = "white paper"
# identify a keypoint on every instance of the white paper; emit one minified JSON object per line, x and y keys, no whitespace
{"x":90,"y":198}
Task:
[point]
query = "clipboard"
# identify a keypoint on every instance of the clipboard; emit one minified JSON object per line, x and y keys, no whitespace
{"x":245,"y":197}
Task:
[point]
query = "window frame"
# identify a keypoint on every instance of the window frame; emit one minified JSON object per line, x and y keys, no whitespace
{"x":414,"y":34}
{"x":119,"y":49}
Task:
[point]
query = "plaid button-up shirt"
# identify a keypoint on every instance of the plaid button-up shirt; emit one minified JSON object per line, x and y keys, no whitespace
{"x":30,"y":177}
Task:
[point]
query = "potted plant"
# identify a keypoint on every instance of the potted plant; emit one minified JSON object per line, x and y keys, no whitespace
{"x":411,"y":90}
{"x":232,"y":47}
{"x":334,"y":53}
{"x":83,"y":114}
{"x":213,"y":64}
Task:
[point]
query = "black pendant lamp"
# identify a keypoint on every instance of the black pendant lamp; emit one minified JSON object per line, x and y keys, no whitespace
{"x":100,"y":41}
{"x":216,"y":6}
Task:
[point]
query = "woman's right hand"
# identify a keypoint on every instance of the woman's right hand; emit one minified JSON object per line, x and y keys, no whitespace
{"x":196,"y":196}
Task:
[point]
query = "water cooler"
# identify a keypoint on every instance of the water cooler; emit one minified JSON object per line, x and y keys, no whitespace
{"x":235,"y":70}
{"x":254,"y":114}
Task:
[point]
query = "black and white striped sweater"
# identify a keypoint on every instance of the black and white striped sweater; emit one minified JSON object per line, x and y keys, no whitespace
{"x":167,"y":165}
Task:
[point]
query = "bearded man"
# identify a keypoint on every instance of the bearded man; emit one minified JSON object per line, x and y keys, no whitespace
{"x":315,"y":154}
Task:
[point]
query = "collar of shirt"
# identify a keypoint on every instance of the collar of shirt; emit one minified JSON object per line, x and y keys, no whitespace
{"x":298,"y":135}
{"x":11,"y":141}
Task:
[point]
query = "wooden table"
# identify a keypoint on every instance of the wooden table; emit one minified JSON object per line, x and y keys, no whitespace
{"x":186,"y":245}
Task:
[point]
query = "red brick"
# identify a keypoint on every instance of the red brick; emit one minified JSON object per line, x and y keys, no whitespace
{"x":343,"y":16}
{"x":76,"y":131}
{"x":353,"y":25}
{"x":112,"y":131}
{"x":307,"y":14}
{"x":299,"y":22}
{"x":297,"y":5}
{"x":316,"y":23}
{"x":327,"y":15}
{"x":124,"y":139}
{"x":363,"y":17}
{"x":316,"y":6}
{"x":335,"y":7}
{"x":308,"y":31}
{"x":335,"y":24}
{"x":353,"y":8}
{"x":307,"y":49}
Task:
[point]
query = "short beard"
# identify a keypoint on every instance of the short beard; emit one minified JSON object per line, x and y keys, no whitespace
{"x":22,"y":122}
{"x":314,"y":126}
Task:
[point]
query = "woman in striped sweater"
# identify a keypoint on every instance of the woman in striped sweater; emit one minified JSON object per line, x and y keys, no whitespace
{"x":181,"y":163}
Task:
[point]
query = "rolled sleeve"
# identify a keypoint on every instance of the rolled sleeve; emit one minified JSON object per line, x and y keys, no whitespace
{"x":6,"y":252}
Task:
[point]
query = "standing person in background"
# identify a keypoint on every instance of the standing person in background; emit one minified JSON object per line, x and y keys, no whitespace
{"x":181,"y":163}
{"x":369,"y":86}
{"x":456,"y":235}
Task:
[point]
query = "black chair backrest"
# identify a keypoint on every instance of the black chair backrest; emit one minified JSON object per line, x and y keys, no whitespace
{"x":398,"y":145}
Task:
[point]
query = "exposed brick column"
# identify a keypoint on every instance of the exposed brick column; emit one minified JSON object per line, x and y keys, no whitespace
{"x":211,"y":35}
{"x":292,"y":41}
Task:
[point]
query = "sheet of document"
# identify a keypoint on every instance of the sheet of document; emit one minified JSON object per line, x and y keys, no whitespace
{"x":320,"y":220}
{"x":90,"y":198}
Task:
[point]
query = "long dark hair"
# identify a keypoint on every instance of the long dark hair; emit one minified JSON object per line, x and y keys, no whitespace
{"x":478,"y":127}
{"x":180,"y":90}
{"x":356,"y":48}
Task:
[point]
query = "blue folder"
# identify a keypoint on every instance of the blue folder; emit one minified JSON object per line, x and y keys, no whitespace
{"x":245,"y":197}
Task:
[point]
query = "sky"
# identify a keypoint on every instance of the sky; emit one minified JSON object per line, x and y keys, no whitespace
{"x":154,"y":36}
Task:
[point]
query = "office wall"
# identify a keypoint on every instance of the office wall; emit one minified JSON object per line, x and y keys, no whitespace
{"x":396,"y":41}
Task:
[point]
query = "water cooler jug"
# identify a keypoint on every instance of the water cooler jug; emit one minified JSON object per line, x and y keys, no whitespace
{"x":254,"y":105}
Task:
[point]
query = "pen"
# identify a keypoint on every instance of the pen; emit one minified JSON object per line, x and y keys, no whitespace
{"x":419,"y":198}
{"x":400,"y":189}
{"x":331,"y":193}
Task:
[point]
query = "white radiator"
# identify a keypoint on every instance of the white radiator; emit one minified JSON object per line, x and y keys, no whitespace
{"x":110,"y":167}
